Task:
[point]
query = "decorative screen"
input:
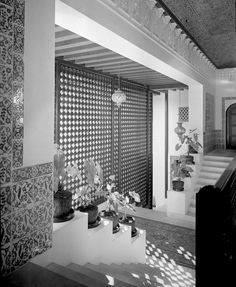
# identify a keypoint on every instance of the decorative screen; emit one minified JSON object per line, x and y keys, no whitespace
{"x":183,"y":114}
{"x":89,"y":124}
{"x":84,"y":119}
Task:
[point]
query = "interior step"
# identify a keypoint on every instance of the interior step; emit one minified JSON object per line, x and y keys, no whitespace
{"x":218,"y":158}
{"x":105,"y":279}
{"x":206,"y":181}
{"x":209,"y":175}
{"x":220,"y":164}
{"x":118,"y":273}
{"x":75,"y":276}
{"x":33,"y":275}
{"x":212,"y":169}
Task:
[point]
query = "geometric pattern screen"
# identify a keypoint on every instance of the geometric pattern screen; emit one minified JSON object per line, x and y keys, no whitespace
{"x":88,"y":124}
{"x":183,"y":114}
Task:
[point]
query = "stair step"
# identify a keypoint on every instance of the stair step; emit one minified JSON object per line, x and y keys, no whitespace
{"x":120,"y":274}
{"x":218,"y":158}
{"x":105,"y":279}
{"x":215,"y":163}
{"x":212,"y":169}
{"x":209,"y":175}
{"x":206,"y":181}
{"x":75,"y":276}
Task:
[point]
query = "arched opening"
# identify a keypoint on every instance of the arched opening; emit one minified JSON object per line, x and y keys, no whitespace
{"x":231,"y":127}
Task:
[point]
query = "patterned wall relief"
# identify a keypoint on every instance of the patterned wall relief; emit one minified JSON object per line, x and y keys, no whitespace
{"x":26,"y":215}
{"x":26,"y":195}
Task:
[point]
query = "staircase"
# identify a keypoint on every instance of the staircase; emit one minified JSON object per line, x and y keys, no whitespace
{"x":126,"y":275}
{"x":210,"y":171}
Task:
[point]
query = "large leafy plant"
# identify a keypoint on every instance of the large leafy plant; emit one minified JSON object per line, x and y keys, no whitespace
{"x":61,"y":172}
{"x":94,"y":182}
{"x":179,"y":169}
{"x":116,"y":200}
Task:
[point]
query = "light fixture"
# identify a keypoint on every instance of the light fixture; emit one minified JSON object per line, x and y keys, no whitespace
{"x":179,"y":130}
{"x":118,"y":96}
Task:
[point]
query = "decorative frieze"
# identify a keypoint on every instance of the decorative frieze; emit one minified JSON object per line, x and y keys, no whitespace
{"x":152,"y":20}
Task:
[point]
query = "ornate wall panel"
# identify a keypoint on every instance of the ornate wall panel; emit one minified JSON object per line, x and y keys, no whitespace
{"x":90,"y":125}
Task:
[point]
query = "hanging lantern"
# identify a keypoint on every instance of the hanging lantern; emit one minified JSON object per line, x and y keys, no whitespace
{"x":118,"y":97}
{"x":179,"y":130}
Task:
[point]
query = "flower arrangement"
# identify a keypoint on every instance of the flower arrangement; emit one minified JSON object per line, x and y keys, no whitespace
{"x":116,"y":200}
{"x":61,"y":172}
{"x":191,"y":140}
{"x":179,"y":169}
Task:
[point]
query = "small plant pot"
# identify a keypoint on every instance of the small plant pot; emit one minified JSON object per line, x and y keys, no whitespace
{"x":62,"y":206}
{"x":189,"y":159}
{"x":130,"y":221}
{"x":93,"y":218}
{"x":178,"y":185}
{"x":111,"y":215}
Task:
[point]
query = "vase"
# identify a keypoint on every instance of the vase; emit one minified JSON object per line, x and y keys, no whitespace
{"x":179,"y":130}
{"x":113,"y":216}
{"x":130,"y":221}
{"x":189,"y":159}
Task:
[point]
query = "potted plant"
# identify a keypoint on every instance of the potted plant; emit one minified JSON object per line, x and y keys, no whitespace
{"x":179,"y":171}
{"x":62,"y":198}
{"x":94,"y":184}
{"x":127,"y":201}
{"x":111,"y":211}
{"x":192,"y":143}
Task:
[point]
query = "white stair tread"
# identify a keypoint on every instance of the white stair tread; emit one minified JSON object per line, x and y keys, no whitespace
{"x":75,"y":276}
{"x":210,"y":175}
{"x":120,"y":274}
{"x":218,"y":158}
{"x":212,"y":169}
{"x":98,"y":276}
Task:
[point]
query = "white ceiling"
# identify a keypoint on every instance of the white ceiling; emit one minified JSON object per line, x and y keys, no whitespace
{"x":74,"y":48}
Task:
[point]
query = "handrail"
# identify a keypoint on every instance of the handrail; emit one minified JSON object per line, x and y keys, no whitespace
{"x":226,"y":175}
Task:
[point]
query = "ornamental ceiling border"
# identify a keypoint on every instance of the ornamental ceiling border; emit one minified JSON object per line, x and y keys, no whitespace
{"x":226,"y":74}
{"x":153,"y":22}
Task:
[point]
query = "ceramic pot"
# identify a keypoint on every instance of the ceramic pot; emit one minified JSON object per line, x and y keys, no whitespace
{"x":111,"y":215}
{"x":189,"y":159}
{"x":178,"y":185}
{"x":92,"y":211}
{"x":130,"y":221}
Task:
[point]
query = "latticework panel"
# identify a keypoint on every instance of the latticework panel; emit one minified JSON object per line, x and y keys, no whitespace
{"x":183,"y":114}
{"x":133,"y":146}
{"x":84,"y":121}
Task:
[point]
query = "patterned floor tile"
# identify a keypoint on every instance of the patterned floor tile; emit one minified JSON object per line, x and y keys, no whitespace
{"x":18,"y":46}
{"x":5,"y":169}
{"x":19,"y":14}
{"x":6,"y":77}
{"x":6,"y":20}
{"x":5,"y":111}
{"x":5,"y":200}
{"x":18,"y":68}
{"x":17,"y":155}
{"x":5,"y":140}
{"x":5,"y":50}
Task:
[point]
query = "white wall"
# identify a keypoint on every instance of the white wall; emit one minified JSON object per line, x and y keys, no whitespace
{"x":39,"y":81}
{"x":159,"y":149}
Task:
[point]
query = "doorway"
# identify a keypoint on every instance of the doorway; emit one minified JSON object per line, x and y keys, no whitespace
{"x":231,"y":127}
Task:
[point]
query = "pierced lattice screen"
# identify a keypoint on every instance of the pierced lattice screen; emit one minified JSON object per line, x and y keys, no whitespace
{"x":84,"y":119}
{"x":88,"y":124}
{"x":183,"y":114}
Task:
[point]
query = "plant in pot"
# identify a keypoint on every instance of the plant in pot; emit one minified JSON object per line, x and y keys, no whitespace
{"x":111,"y":211}
{"x":62,"y":198}
{"x":94,"y":184}
{"x":127,"y":201}
{"x":192,"y":143}
{"x":179,"y":171}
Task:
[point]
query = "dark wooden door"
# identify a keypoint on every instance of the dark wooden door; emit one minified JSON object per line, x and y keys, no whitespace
{"x":231,"y":127}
